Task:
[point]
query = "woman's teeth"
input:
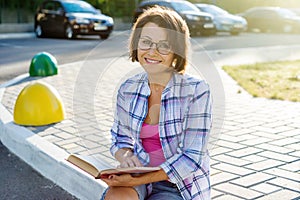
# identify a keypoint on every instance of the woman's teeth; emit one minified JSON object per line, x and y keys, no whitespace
{"x":152,"y":61}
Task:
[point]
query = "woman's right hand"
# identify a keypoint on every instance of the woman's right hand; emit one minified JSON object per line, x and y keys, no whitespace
{"x":126,"y":158}
{"x":130,"y":161}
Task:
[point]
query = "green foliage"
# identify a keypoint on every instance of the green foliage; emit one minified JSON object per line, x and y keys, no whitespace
{"x":28,"y":5}
{"x":116,"y":8}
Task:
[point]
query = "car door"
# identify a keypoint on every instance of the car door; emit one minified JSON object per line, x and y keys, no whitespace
{"x":257,"y":20}
{"x":269,"y":21}
{"x":58,"y":18}
{"x":47,"y":21}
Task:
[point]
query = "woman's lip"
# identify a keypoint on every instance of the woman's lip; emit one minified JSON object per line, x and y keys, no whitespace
{"x":152,"y":61}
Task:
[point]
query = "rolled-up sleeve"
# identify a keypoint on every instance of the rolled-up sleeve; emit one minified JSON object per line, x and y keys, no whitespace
{"x":197,"y":125}
{"x":120,"y":131}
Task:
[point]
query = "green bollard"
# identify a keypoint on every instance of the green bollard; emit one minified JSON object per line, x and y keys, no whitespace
{"x":43,"y":64}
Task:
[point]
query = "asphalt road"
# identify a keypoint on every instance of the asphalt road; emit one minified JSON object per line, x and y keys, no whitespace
{"x":16,"y":53}
{"x":20,"y":181}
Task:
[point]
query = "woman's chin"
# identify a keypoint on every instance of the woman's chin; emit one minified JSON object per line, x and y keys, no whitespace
{"x":157,"y":69}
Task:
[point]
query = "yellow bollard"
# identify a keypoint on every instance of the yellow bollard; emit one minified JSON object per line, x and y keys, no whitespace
{"x":38,"y":104}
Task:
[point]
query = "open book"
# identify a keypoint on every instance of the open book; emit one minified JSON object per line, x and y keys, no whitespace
{"x":99,"y":169}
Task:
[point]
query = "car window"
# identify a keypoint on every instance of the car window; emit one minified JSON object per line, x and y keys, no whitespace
{"x":268,"y":14}
{"x":50,"y":6}
{"x":286,"y":13}
{"x":165,"y":4}
{"x":184,"y":6}
{"x":151,"y":4}
{"x":259,"y":13}
{"x":213,"y":10}
{"x":79,"y":6}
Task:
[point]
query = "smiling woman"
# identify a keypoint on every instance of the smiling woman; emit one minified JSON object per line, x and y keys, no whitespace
{"x":163,"y":116}
{"x":155,"y":59}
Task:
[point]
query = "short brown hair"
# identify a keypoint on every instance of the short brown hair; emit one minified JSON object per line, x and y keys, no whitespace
{"x":177,"y":29}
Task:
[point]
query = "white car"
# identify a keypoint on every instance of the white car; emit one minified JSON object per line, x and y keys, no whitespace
{"x":224,"y":21}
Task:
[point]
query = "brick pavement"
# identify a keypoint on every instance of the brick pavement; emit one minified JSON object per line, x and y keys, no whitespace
{"x":257,"y":154}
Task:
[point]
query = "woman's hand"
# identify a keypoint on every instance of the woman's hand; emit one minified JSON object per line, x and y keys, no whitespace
{"x":126,"y":158}
{"x":125,"y":180}
{"x":130,"y":161}
{"x":128,"y":180}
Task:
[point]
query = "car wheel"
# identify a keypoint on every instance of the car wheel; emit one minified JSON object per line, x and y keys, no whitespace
{"x":69,"y":34}
{"x":39,"y":31}
{"x":287,"y":28}
{"x":104,"y":36}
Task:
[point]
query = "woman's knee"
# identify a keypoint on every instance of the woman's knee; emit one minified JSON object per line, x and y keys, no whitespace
{"x":121,"y":193}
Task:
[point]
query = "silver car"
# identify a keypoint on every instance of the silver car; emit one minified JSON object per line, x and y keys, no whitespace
{"x":224,"y":21}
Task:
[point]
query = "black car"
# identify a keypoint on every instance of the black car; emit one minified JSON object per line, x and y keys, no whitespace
{"x":69,"y":18}
{"x":272,"y":19}
{"x":197,"y":21}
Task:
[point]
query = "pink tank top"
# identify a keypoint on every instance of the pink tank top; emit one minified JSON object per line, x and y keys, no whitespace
{"x":151,"y":143}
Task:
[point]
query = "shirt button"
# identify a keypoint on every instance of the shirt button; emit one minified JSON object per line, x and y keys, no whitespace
{"x":179,"y":150}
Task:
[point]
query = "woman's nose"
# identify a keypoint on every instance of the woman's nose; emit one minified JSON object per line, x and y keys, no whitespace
{"x":153,"y":48}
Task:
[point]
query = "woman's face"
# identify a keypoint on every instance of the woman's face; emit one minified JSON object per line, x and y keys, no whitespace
{"x":154,"y":50}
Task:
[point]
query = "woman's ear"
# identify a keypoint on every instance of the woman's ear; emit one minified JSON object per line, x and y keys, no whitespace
{"x":174,"y":62}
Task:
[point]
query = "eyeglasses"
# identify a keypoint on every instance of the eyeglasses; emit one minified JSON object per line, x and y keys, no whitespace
{"x":162,"y":47}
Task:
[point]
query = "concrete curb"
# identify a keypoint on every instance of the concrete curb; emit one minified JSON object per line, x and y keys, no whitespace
{"x":45,"y":157}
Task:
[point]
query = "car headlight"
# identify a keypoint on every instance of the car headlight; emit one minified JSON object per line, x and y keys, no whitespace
{"x":227,"y":21}
{"x":193,"y":17}
{"x":82,"y":21}
{"x":110,"y":20}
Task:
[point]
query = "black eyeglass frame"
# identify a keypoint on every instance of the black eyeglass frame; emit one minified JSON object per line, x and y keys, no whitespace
{"x":157,"y":47}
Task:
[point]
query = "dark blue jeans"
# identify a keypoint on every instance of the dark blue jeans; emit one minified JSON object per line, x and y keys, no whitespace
{"x":164,"y":190}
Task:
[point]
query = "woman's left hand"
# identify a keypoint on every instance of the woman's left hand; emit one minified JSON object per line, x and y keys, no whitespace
{"x":120,"y":180}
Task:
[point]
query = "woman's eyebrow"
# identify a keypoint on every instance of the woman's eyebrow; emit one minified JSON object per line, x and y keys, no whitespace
{"x":147,"y":37}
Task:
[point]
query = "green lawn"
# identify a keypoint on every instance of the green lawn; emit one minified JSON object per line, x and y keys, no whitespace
{"x":273,"y":80}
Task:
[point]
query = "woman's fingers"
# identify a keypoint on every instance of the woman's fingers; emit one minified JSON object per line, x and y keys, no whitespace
{"x":136,"y":161}
{"x":132,"y":161}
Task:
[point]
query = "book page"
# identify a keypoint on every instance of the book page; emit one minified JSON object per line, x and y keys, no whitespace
{"x":130,"y":170}
{"x":99,"y":169}
{"x":90,"y":164}
{"x":97,"y":162}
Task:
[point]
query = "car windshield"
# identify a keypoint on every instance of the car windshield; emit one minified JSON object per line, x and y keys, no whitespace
{"x":214,"y":10}
{"x":184,"y":6}
{"x":79,"y":6}
{"x":286,"y":13}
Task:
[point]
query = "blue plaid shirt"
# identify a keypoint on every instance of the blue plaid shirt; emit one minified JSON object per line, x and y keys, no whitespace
{"x":184,"y":125}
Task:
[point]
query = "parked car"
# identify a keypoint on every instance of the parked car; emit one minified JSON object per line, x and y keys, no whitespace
{"x":198,"y":22}
{"x":70,"y":18}
{"x":272,"y":19}
{"x":224,"y":21}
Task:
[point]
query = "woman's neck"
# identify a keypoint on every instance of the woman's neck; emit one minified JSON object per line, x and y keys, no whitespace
{"x":160,"y":79}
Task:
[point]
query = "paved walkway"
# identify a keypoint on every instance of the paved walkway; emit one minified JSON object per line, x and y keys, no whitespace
{"x":256,"y":156}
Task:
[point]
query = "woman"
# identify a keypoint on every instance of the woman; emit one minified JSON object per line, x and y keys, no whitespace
{"x":163,"y":117}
